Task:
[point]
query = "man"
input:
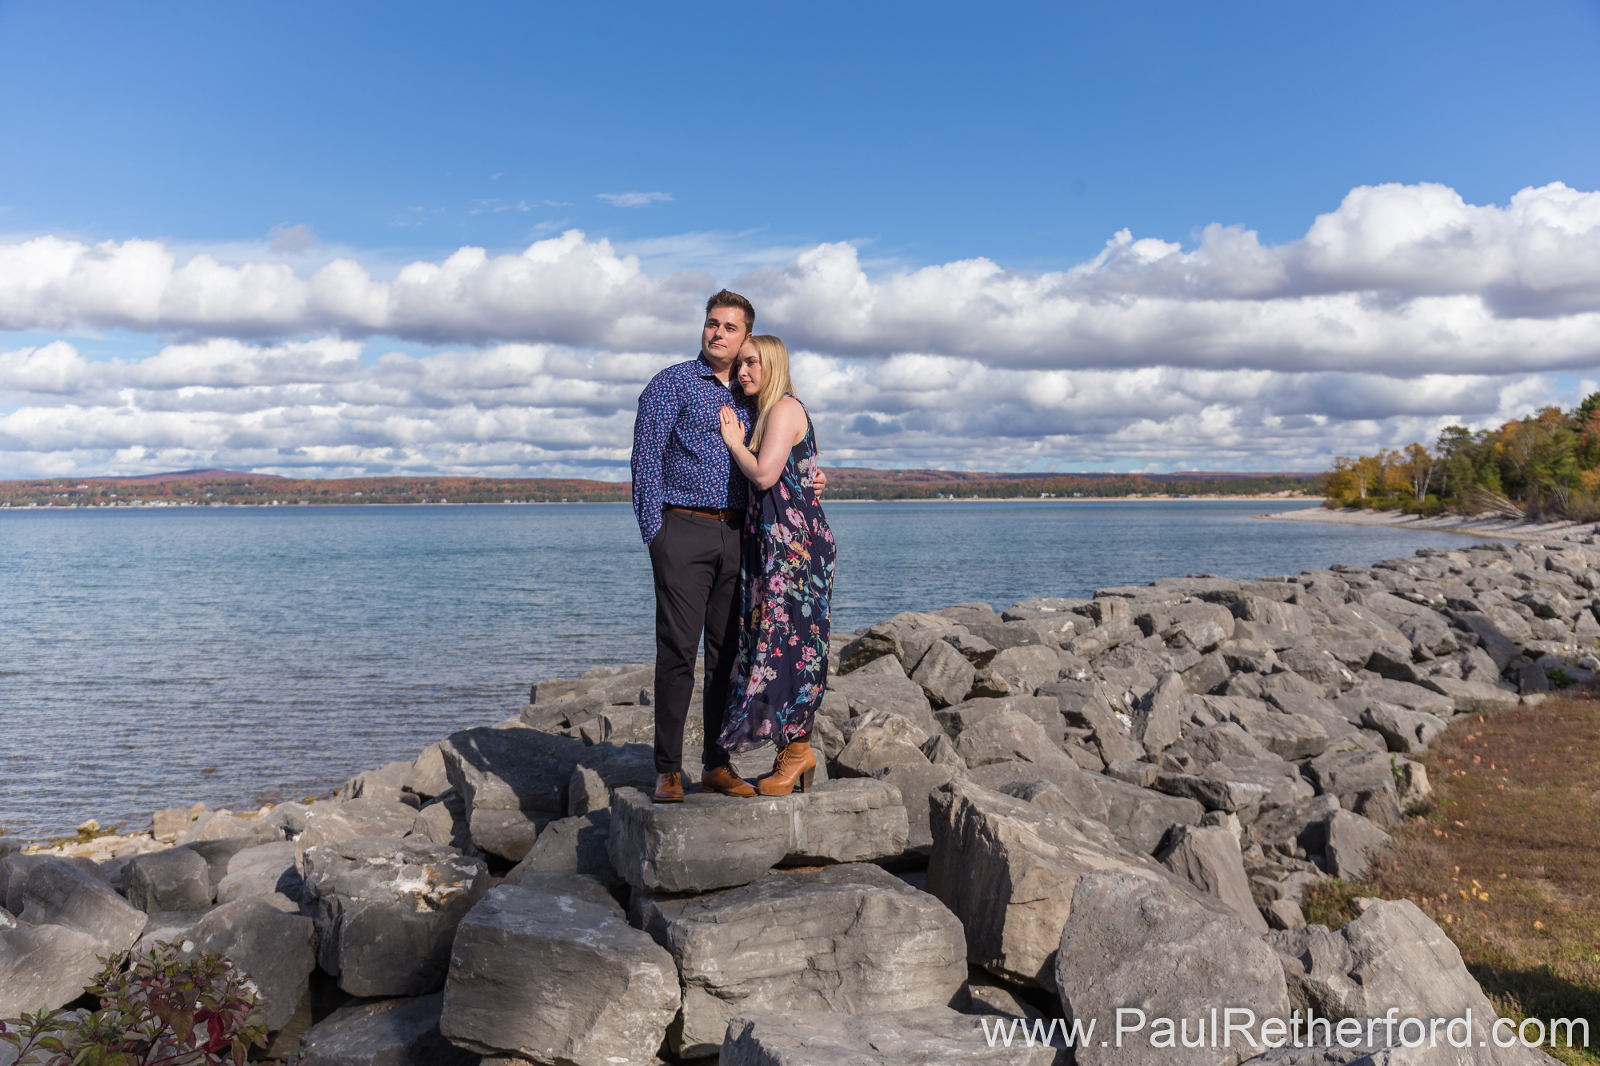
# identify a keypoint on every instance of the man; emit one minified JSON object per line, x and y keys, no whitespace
{"x":689,"y":498}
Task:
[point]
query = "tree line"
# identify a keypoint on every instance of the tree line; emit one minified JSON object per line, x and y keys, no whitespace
{"x":1545,"y":465}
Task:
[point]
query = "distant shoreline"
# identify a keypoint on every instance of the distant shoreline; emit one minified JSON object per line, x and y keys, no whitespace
{"x":163,"y":504}
{"x":1499,"y":528}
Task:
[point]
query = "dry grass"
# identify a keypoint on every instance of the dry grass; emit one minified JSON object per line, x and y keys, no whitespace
{"x":1508,"y":860}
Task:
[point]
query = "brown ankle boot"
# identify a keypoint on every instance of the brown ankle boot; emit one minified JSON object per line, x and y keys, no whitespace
{"x":722,"y":779}
{"x":796,"y":763}
{"x":669,"y":788}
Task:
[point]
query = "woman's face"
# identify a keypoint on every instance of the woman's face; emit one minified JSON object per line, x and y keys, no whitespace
{"x":748,"y":369}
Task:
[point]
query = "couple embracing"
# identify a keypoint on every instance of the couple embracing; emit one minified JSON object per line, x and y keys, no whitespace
{"x":725,"y":487}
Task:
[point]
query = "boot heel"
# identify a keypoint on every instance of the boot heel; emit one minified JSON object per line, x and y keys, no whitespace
{"x":805,"y":779}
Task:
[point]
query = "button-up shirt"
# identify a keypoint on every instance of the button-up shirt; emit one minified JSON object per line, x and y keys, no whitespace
{"x":679,"y":456}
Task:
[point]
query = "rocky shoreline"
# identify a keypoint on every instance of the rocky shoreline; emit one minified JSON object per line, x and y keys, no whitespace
{"x":1496,"y":526}
{"x":1052,"y":812}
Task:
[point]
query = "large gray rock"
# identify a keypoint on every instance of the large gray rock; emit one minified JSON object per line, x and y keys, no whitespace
{"x":1352,"y":843}
{"x":926,"y":1036}
{"x":1078,"y":787}
{"x":1007,"y":869}
{"x":1212,"y":793}
{"x":1404,"y":731}
{"x":1140,"y":817}
{"x":1345,"y":773}
{"x":59,"y":893}
{"x":848,"y":939}
{"x":1403,"y":693}
{"x":1391,"y":956}
{"x":275,"y":949}
{"x":387,"y":911}
{"x":174,"y":880}
{"x":916,"y":785}
{"x":549,"y":970}
{"x":1027,"y":667}
{"x":1156,"y":717}
{"x":1222,"y":742}
{"x":859,"y":694}
{"x":329,"y":823}
{"x":267,"y":869}
{"x":1286,"y":735}
{"x":572,"y":845}
{"x":1085,"y":705}
{"x":44,"y":967}
{"x":715,"y":841}
{"x":1009,"y":736}
{"x":512,"y":781}
{"x":1208,"y":857}
{"x":1130,"y":944}
{"x":879,"y":739}
{"x":14,"y":870}
{"x":1472,"y":695}
{"x":390,"y":1032}
{"x":944,"y":674}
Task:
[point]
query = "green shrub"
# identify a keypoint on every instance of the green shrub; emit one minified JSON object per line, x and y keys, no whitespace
{"x":156,"y":1009}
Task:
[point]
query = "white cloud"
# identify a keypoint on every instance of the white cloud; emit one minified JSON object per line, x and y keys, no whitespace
{"x":291,"y":240}
{"x":633,"y":199}
{"x":1401,"y":311}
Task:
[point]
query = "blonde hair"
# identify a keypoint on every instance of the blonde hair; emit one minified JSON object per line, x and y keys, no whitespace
{"x":775,"y":382}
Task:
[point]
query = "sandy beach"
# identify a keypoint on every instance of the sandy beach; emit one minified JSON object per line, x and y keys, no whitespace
{"x":1503,"y":528}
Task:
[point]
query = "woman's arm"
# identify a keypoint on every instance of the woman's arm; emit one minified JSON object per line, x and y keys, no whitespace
{"x":783,"y":426}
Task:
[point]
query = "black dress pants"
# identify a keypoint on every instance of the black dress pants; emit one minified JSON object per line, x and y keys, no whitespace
{"x":695,"y":560}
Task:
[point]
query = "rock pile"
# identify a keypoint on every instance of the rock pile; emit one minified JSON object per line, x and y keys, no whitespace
{"x":1063,"y":811}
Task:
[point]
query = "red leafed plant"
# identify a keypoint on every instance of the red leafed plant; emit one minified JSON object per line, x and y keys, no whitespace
{"x":161,"y":1008}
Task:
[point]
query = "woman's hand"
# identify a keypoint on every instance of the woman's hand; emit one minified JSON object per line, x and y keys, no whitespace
{"x":732,"y":429}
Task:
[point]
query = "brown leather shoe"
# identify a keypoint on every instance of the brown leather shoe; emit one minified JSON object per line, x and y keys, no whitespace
{"x":669,"y":788}
{"x":722,"y":779}
{"x":795,"y":764}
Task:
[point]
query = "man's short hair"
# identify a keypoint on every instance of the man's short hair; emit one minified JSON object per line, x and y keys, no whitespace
{"x":733,"y":299}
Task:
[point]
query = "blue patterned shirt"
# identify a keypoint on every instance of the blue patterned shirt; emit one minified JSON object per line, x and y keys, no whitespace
{"x":679,"y":456}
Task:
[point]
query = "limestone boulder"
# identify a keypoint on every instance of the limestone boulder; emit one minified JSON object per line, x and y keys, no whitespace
{"x":944,"y":674}
{"x":715,"y":841}
{"x":1157,"y":716}
{"x":1404,"y":731}
{"x":925,"y":1036}
{"x":267,"y":869}
{"x":512,"y":782}
{"x":60,"y":893}
{"x":572,"y":845}
{"x":1128,"y":944}
{"x":1009,"y":736}
{"x":1084,"y":704}
{"x":856,"y":694}
{"x":277,"y":950}
{"x":174,"y":880}
{"x":43,"y":967}
{"x":387,"y":910}
{"x":389,"y":1032}
{"x":1208,"y":857}
{"x":848,"y":939}
{"x":329,"y":823}
{"x":1353,"y":843}
{"x":1472,"y":695}
{"x":1007,"y":870}
{"x":1285,"y":734}
{"x":549,"y":970}
{"x":916,"y":784}
{"x":876,"y":740}
{"x":1393,"y":955}
{"x":1140,"y":817}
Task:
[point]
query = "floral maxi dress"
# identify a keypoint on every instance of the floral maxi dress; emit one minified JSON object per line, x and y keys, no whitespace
{"x":786,"y":576}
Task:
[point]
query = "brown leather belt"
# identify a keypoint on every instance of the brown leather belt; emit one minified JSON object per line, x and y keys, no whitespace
{"x":704,"y":512}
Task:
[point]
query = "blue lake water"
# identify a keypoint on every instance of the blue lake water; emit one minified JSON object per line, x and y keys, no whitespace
{"x":153,"y":657}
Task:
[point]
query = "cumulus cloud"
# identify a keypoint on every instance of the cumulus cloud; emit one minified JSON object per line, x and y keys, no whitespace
{"x":1401,"y":311}
{"x":633,"y":199}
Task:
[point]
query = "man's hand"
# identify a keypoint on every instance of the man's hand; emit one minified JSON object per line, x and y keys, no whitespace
{"x":732,"y":429}
{"x":819,"y":481}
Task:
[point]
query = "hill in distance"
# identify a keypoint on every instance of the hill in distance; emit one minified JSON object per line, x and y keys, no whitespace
{"x":210,"y":487}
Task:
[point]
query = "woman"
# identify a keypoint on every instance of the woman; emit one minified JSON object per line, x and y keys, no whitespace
{"x":787,"y":574}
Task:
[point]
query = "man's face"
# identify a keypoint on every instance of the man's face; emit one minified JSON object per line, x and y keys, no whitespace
{"x":724,"y":332}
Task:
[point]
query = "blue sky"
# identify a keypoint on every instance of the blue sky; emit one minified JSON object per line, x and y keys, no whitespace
{"x":724,"y":142}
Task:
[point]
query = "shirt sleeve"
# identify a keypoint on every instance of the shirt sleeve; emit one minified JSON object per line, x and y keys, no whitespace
{"x":651,"y":427}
